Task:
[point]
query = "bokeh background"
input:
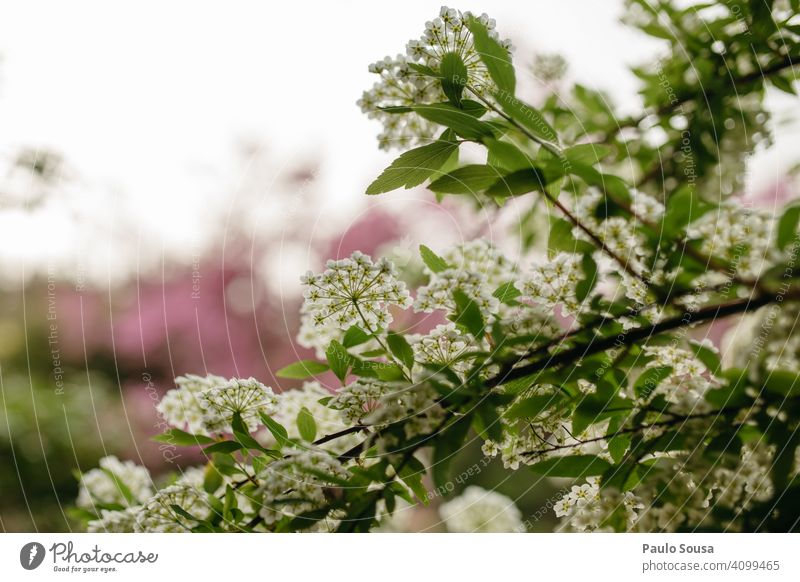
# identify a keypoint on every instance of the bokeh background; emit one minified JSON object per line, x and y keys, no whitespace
{"x":169,"y":170}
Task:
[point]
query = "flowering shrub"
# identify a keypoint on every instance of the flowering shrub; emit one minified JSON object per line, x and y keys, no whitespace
{"x":587,"y":363}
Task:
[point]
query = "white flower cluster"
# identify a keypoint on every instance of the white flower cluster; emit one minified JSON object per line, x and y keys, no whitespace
{"x":401,"y":86}
{"x":686,"y":385}
{"x":740,"y":235}
{"x":158,"y":515}
{"x":121,"y":521}
{"x":317,"y":336}
{"x":552,"y":283}
{"x":355,"y":291}
{"x":416,"y":406}
{"x":206,"y":405}
{"x":296,"y":484}
{"x":115,"y":482}
{"x":587,"y":508}
{"x":449,"y":34}
{"x":477,"y":510}
{"x":439,"y":293}
{"x":181,"y":408}
{"x":445,"y":345}
{"x":358,"y":399}
{"x":246,"y":397}
{"x":481,"y":256}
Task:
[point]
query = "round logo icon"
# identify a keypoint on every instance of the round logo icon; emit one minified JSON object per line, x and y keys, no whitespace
{"x":31,"y":555}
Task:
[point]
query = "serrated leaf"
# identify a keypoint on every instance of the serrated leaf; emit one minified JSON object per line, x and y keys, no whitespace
{"x":517,"y":183}
{"x":355,"y":336}
{"x":496,"y":58}
{"x":507,"y":155}
{"x":527,"y":116}
{"x":507,"y":293}
{"x":401,"y":349}
{"x":302,"y":369}
{"x":462,"y":122}
{"x":306,"y":425}
{"x":470,"y":179}
{"x":413,"y":167}
{"x":224,"y":447}
{"x":338,"y":359}
{"x":433,"y":261}
{"x":468,"y":315}
{"x":453,"y":73}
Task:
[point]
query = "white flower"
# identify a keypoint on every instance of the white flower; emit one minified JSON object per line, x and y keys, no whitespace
{"x":296,"y":484}
{"x":416,"y":406}
{"x":356,"y":400}
{"x":181,"y":408}
{"x":439,"y":293}
{"x":118,"y":521}
{"x":480,"y":511}
{"x":113,"y":483}
{"x":158,"y":515}
{"x":401,"y":86}
{"x":246,"y":397}
{"x":443,"y":346}
{"x":553,"y":283}
{"x":355,"y":291}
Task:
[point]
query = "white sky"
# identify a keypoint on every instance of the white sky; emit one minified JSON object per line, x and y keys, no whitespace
{"x":148,"y":100}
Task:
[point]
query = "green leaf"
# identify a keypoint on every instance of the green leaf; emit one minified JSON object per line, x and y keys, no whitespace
{"x":242,"y":434}
{"x":618,"y":446}
{"x":415,"y":166}
{"x":783,"y":383}
{"x":412,"y":473}
{"x":460,"y":121}
{"x":401,"y":349}
{"x":212,"y":479}
{"x":533,"y":406}
{"x":468,"y":314}
{"x":278,"y":431}
{"x":526,"y":116}
{"x":707,"y":355}
{"x":302,"y":369}
{"x":306,"y":425}
{"x":453,"y":73}
{"x":355,"y":336}
{"x":496,"y":58}
{"x":587,"y":153}
{"x":225,"y":447}
{"x":519,"y":182}
{"x":649,"y":380}
{"x":507,"y":155}
{"x":433,"y":261}
{"x":176,"y":436}
{"x":469,"y":179}
{"x":507,"y":293}
{"x":575,"y":466}
{"x":585,"y":285}
{"x":683,"y":208}
{"x":562,"y":239}
{"x":787,"y":226}
{"x":450,"y":441}
{"x":338,"y":359}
